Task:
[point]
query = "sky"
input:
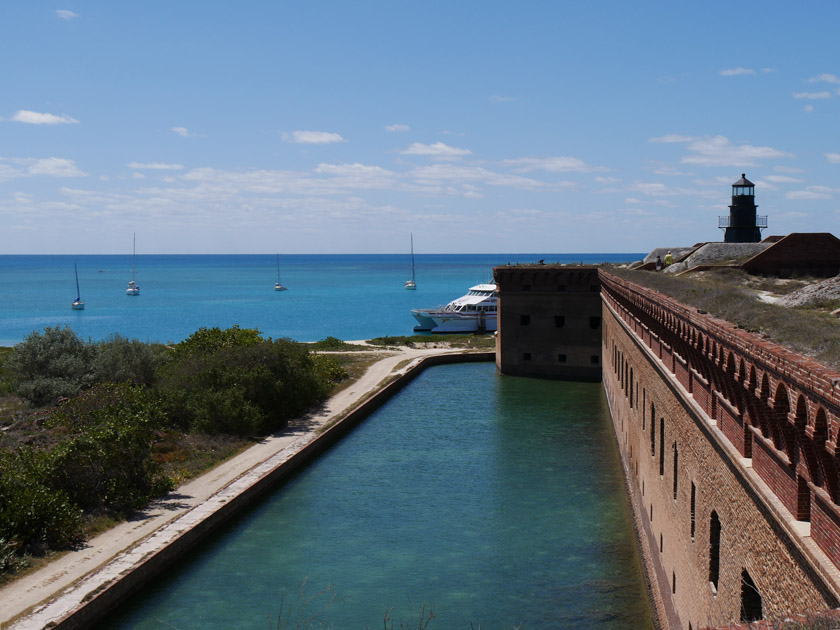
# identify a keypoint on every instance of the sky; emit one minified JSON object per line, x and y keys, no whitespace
{"x":476,"y":126}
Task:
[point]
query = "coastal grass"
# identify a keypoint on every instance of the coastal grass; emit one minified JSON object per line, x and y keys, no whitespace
{"x":732,"y":295}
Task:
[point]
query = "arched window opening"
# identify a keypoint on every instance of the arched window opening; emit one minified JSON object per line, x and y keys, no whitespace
{"x":714,"y":550}
{"x":751,"y":609}
{"x":783,"y":436}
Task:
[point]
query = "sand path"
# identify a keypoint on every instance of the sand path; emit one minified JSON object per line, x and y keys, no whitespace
{"x":58,"y":588}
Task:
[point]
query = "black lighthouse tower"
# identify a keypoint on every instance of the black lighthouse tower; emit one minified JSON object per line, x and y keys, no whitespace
{"x":742,"y":225}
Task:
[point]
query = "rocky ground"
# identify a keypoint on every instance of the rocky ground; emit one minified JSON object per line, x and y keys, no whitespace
{"x":816,"y":294}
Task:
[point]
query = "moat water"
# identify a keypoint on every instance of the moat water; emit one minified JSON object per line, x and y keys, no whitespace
{"x":493,"y":501}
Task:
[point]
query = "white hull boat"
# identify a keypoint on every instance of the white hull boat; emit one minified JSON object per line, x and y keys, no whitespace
{"x":474,"y":312}
{"x":133,"y":288}
{"x":411,"y":284}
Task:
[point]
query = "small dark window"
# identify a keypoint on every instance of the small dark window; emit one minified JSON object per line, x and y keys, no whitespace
{"x":594,"y":359}
{"x":693,"y":508}
{"x":651,"y":512}
{"x":526,"y":356}
{"x":714,"y":550}
{"x":526,"y":287}
{"x":561,"y":358}
{"x":661,"y":447}
{"x":750,"y":599}
{"x":673,"y":582}
{"x":594,"y":322}
{"x":661,"y":543}
{"x":559,"y":321}
{"x":676,"y":471}
{"x":524,"y":320}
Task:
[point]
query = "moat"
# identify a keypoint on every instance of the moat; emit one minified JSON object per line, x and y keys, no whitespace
{"x":496,"y":500}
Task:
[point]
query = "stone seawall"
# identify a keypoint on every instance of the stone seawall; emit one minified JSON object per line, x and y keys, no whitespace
{"x":729,"y":445}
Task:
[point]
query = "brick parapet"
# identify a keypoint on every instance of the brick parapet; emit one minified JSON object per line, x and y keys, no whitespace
{"x":804,"y":373}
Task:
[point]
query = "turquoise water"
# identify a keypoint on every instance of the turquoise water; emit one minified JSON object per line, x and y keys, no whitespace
{"x":346,"y":296}
{"x":497,"y":500}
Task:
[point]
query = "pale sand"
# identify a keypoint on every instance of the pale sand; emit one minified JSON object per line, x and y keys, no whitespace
{"x":55,"y":590}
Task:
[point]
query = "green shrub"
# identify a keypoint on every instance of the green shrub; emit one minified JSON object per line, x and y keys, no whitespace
{"x":34,"y":516}
{"x":121,"y":360}
{"x":329,"y":369}
{"x":106,"y":462}
{"x":240,"y":389}
{"x":333,"y":344}
{"x":51,"y":365}
{"x":209,"y":340}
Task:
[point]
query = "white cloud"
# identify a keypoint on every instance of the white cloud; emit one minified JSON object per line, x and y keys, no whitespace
{"x":159,"y":166}
{"x":811,"y":96}
{"x":183,"y":132}
{"x":824,"y":78}
{"x":397,"y":127}
{"x":782,"y":179}
{"x":438,"y":149}
{"x":734,"y":72}
{"x":313,"y":137}
{"x":14,"y":168}
{"x":501,"y":98}
{"x":808,"y":109}
{"x":66,"y":14}
{"x":55,"y":167}
{"x":719,"y":151}
{"x":671,"y":138}
{"x":560,"y":164}
{"x":834,"y":158}
{"x":811,"y":192}
{"x":36,"y":118}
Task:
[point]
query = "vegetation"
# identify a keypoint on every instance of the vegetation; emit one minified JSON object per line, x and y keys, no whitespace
{"x":731,"y":294}
{"x":92,"y":431}
{"x":456,"y":341}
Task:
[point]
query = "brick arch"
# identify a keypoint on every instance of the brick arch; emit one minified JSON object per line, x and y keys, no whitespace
{"x":827,"y":461}
{"x":781,"y":409}
{"x":808,"y":452}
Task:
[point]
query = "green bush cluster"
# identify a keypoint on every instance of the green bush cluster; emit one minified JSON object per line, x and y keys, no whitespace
{"x":116,"y":399}
{"x":56,"y":364}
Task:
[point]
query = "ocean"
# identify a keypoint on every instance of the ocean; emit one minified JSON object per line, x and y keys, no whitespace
{"x":349,"y":296}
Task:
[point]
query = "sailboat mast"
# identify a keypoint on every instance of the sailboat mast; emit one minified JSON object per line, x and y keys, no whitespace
{"x":412,"y":257}
{"x":78,"y":293}
{"x":133,"y":253}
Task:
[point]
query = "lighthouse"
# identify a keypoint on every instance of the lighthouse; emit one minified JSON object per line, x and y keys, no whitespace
{"x":742,"y":225}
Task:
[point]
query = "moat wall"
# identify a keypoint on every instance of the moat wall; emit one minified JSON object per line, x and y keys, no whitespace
{"x":728,"y":443}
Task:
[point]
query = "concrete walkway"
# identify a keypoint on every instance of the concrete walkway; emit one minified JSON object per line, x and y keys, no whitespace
{"x":54,"y":591}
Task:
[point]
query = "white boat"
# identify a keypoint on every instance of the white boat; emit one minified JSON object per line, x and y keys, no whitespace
{"x":77,"y":304}
{"x":133,"y":288}
{"x":411,"y":284}
{"x":474,"y":312}
{"x":278,"y":286}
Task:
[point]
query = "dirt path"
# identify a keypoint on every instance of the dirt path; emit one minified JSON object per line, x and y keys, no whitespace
{"x":51,"y":592}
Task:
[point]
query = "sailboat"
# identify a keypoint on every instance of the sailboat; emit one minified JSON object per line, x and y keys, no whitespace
{"x":77,"y":304}
{"x":133,"y":288}
{"x":278,"y":285}
{"x":411,"y":284}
